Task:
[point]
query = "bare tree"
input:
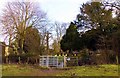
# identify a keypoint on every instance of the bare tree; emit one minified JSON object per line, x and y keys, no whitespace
{"x":17,"y":16}
{"x":59,"y":31}
{"x":46,"y":36}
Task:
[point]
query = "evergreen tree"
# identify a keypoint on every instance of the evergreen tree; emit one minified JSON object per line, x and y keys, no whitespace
{"x":70,"y":40}
{"x":32,"y":41}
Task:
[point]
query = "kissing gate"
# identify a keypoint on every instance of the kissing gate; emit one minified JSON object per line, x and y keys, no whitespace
{"x":53,"y":61}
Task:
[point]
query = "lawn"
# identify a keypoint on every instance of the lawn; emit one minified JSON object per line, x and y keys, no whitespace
{"x":29,"y":70}
{"x":100,"y":70}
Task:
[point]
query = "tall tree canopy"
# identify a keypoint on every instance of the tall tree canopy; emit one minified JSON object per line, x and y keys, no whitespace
{"x":97,"y":18}
{"x":17,"y":16}
{"x":70,"y":40}
{"x":32,"y":41}
{"x":94,"y":15}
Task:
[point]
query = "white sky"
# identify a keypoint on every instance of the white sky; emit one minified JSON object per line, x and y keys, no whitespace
{"x":57,"y":10}
{"x":61,"y":10}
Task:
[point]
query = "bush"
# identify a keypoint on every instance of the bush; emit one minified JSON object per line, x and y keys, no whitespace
{"x":73,"y":61}
{"x":23,"y":58}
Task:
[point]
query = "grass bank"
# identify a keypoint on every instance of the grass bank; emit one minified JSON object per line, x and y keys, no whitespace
{"x":29,"y":70}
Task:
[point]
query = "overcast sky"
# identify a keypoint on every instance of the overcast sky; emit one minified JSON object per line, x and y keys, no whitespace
{"x":57,"y":10}
{"x":61,"y":10}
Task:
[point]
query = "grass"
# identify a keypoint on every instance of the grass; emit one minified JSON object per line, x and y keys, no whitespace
{"x":29,"y":70}
{"x":101,"y":70}
{"x":119,"y":69}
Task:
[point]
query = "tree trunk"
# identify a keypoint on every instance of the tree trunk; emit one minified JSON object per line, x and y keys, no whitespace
{"x":117,"y":61}
{"x":19,"y":60}
{"x":22,"y":44}
{"x":47,"y":40}
{"x":36,"y":60}
{"x":7,"y":59}
{"x":28,"y":60}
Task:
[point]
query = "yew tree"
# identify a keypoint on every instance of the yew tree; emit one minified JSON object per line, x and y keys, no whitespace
{"x":70,"y":40}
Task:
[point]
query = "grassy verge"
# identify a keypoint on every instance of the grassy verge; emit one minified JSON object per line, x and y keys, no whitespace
{"x":100,"y":70}
{"x":119,"y":70}
{"x":29,"y":70}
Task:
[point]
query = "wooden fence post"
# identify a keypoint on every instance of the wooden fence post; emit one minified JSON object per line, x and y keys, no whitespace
{"x":65,"y":61}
